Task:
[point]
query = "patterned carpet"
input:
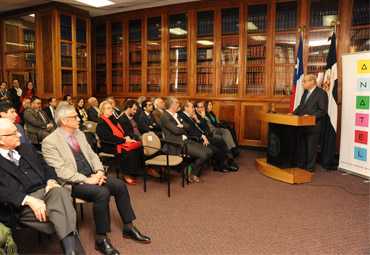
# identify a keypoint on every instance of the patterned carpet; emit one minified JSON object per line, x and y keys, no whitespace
{"x":237,"y":213}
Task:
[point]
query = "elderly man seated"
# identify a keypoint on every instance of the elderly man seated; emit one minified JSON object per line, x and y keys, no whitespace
{"x":67,"y":150}
{"x":30,"y":185}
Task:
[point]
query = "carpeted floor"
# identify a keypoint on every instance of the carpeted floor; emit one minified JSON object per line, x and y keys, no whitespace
{"x":237,"y":213}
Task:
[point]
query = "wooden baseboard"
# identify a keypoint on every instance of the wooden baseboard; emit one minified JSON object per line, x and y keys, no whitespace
{"x":288,"y":175}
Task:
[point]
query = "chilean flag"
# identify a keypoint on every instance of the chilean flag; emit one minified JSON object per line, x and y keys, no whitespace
{"x":297,"y":88}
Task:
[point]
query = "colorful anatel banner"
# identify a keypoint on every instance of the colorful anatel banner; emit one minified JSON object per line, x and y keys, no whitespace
{"x":354,"y":144}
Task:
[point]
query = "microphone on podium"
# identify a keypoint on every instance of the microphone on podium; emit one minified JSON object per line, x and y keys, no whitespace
{"x":287,"y":92}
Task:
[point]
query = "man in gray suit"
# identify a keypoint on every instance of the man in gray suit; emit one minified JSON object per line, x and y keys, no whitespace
{"x":174,"y":129}
{"x":314,"y":102}
{"x":30,"y":185}
{"x":68,"y":151}
{"x":38,"y":123}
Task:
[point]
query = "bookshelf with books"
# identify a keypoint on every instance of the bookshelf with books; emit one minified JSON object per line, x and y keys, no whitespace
{"x":135,"y":56}
{"x":117,"y":56}
{"x":360,"y":26}
{"x":322,"y":14}
{"x":285,"y":47}
{"x":178,"y":53}
{"x":229,"y":67}
{"x":100,"y":58}
{"x":256,"y":50}
{"x":205,"y":53}
{"x":153,"y":45}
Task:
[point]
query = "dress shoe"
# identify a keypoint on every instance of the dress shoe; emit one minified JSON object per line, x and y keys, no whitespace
{"x":153,"y":173}
{"x":195,"y":178}
{"x":223,"y":169}
{"x":232,"y":163}
{"x":232,"y":168}
{"x":106,"y":247}
{"x":135,"y":235}
{"x":129,"y":181}
{"x":236,"y":152}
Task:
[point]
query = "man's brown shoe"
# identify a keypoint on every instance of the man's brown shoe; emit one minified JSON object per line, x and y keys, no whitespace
{"x":195,"y":178}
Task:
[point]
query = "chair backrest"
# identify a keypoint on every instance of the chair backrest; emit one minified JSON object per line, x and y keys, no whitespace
{"x":91,"y":126}
{"x":151,"y":140}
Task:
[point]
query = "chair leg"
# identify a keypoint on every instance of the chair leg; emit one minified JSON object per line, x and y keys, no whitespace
{"x":82,"y":212}
{"x":145,"y":169}
{"x":168,"y":180}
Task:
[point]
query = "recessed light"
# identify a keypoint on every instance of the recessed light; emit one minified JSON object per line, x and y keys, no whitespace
{"x":96,"y":3}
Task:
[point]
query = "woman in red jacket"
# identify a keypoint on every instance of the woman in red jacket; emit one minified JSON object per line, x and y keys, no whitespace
{"x":28,"y":93}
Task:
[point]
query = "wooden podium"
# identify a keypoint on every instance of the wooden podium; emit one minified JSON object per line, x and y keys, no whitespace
{"x":284,"y":131}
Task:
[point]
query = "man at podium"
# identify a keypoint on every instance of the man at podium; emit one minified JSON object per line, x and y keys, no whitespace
{"x":314,"y":102}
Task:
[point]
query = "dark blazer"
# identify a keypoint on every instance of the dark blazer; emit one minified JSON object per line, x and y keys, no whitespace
{"x":11,"y":188}
{"x":127,"y":127}
{"x":204,"y":124}
{"x":147,"y":123}
{"x":105,"y":133}
{"x":316,"y":105}
{"x":48,"y":112}
{"x":15,"y":99}
{"x":193,"y":130}
{"x":92,"y":114}
{"x":172,"y":132}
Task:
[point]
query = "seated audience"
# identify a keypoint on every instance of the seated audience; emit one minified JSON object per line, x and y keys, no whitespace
{"x":146,"y":120}
{"x":195,"y":130}
{"x":37,"y":121}
{"x":68,"y":99}
{"x":68,"y":152}
{"x":26,"y":104}
{"x":129,"y":122}
{"x":116,"y":109}
{"x":220,"y":129}
{"x":4,"y":94}
{"x":159,"y":108}
{"x":174,"y":129}
{"x":7,"y":111}
{"x":30,"y":185}
{"x":15,"y":94}
{"x":109,"y":129}
{"x":220,"y":133}
{"x":82,"y":114}
{"x":93,"y":111}
{"x":50,"y":110}
{"x":28,"y":92}
{"x":140,"y":100}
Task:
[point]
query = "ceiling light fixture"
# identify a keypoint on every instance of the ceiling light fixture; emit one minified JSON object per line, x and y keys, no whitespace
{"x":96,"y":3}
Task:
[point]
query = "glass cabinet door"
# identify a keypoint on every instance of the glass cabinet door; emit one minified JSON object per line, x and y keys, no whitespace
{"x":135,"y":55}
{"x":360,"y":32}
{"x":101,"y":58}
{"x":117,"y":57}
{"x":154,"y":30}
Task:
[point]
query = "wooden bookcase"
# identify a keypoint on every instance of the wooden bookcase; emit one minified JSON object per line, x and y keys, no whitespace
{"x":50,"y":46}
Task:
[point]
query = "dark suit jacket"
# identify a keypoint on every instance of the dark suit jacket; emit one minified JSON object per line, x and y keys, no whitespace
{"x":127,"y":127}
{"x":204,"y":124}
{"x":193,"y":130}
{"x":11,"y":188}
{"x":173,"y":133}
{"x":146,"y":121}
{"x":316,"y":105}
{"x":35,"y":124}
{"x":92,"y":114}
{"x":48,"y":112}
{"x":15,"y":99}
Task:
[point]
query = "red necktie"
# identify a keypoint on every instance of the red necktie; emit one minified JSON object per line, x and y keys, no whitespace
{"x":74,"y":141}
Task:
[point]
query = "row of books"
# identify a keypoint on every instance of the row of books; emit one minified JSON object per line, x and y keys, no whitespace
{"x":81,"y":36}
{"x":230,"y":57}
{"x":178,"y":78}
{"x":204,"y":78}
{"x":229,"y":89}
{"x":180,"y":24}
{"x":135,"y":33}
{"x":318,"y":49}
{"x":284,"y":55}
{"x":178,"y":88}
{"x":66,"y":49}
{"x":256,"y":61}
{"x":154,"y":32}
{"x":101,"y":88}
{"x":135,"y":77}
{"x":117,"y":58}
{"x":256,"y":40}
{"x":230,"y":24}
{"x":281,"y":89}
{"x":230,"y":41}
{"x":66,"y":61}
{"x":178,"y":44}
{"x":316,"y":68}
{"x":117,"y":79}
{"x":254,"y":69}
{"x":255,"y":89}
{"x":286,"y":20}
{"x":282,"y":79}
{"x":204,"y":54}
{"x":257,"y":22}
{"x":81,"y":89}
{"x":135,"y":57}
{"x":256,"y":52}
{"x":81,"y":77}
{"x":320,"y":58}
{"x":359,"y":46}
{"x":204,"y":88}
{"x":205,"y":27}
{"x":178,"y":54}
{"x":318,"y":15}
{"x":67,"y":77}
{"x":229,"y":78}
{"x":154,"y":56}
{"x":66,"y":33}
{"x":117,"y":34}
{"x":81,"y":62}
{"x":154,"y":88}
{"x":360,"y":34}
{"x":135,"y":47}
{"x":101,"y":60}
{"x":101,"y":78}
{"x":29,"y":39}
{"x":100,"y":50}
{"x":134,"y":87}
{"x":256,"y":78}
{"x":229,"y":70}
{"x":117,"y":88}
{"x":67,"y":89}
{"x":361,"y":14}
{"x":154,"y":71}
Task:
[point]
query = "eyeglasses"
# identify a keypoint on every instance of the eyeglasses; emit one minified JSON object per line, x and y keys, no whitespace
{"x":72,"y":117}
{"x":16,"y":133}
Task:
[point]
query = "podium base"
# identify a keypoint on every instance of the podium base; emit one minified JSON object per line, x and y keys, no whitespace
{"x":288,"y":175}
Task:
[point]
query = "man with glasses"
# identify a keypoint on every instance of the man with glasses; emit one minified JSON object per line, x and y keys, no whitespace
{"x":146,"y":120}
{"x":30,"y":185}
{"x":37,"y":121}
{"x":16,"y":93}
{"x":68,"y":151}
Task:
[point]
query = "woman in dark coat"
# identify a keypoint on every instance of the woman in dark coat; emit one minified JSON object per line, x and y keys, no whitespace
{"x":108,"y":129}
